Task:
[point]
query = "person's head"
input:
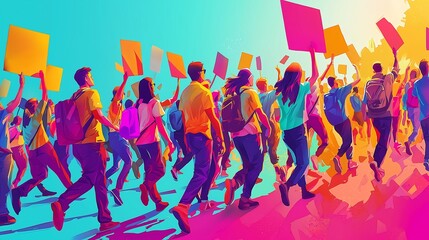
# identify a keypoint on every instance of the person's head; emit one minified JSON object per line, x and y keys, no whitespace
{"x":414,"y":74}
{"x":129,"y":103}
{"x":16,"y":121}
{"x":332,"y":82}
{"x":83,"y":77}
{"x":355,"y":90}
{"x":146,"y":89}
{"x":196,"y":71}
{"x":289,"y":85}
{"x":244,"y":78}
{"x":423,"y":66}
{"x":29,"y":110}
{"x":115,"y":90}
{"x":262,"y":84}
{"x":377,"y":68}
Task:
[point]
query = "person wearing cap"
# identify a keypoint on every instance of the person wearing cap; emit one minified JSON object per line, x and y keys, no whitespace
{"x":196,"y":104}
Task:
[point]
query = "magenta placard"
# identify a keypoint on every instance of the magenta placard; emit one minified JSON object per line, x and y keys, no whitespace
{"x":303,"y":26}
{"x":390,"y":34}
{"x":258,"y":63}
{"x":221,"y":66}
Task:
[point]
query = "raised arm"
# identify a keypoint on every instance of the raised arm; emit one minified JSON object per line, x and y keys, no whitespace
{"x":43,"y":83}
{"x":168,"y":102}
{"x":15,"y":102}
{"x":357,"y":76}
{"x":323,"y":76}
{"x":279,"y":75}
{"x":395,"y":63}
{"x":314,"y":70}
{"x":119,"y":93}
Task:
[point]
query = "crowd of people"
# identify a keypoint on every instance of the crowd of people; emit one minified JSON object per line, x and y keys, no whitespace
{"x":204,"y":125}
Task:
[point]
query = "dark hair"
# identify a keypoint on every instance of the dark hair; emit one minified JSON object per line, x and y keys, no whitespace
{"x":16,"y":121}
{"x":424,"y":67}
{"x":80,"y":75}
{"x":415,"y":72}
{"x":355,"y":89}
{"x":30,"y":108}
{"x":289,"y":85}
{"x":234,"y":84}
{"x":194,"y":69}
{"x":129,"y":103}
{"x":145,"y":90}
{"x":377,"y":67}
{"x":331,"y":81}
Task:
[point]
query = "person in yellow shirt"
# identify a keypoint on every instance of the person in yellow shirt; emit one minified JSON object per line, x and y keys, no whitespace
{"x":41,"y":153}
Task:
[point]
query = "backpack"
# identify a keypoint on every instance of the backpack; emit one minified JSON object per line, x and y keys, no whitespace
{"x":175,"y":118}
{"x":130,"y":126}
{"x":69,"y":128}
{"x":232,"y":118}
{"x":377,"y":99}
{"x":332,"y":108}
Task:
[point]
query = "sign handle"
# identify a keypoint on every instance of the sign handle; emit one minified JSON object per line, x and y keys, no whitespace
{"x":214,"y":78}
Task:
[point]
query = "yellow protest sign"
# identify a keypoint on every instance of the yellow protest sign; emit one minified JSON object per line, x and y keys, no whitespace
{"x":245,"y":60}
{"x":353,"y":55}
{"x":342,"y":69}
{"x":53,"y":77}
{"x":4,"y":88}
{"x":335,"y":42}
{"x":26,"y":51}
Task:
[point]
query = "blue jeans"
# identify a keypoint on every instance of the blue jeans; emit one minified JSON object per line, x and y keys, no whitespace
{"x":121,"y":151}
{"x":414,"y":116}
{"x":296,"y":141}
{"x":425,"y":129}
{"x":201,"y":147}
{"x":344,"y":129}
{"x":5,"y":173}
{"x":383,"y":127}
{"x":250,"y":150}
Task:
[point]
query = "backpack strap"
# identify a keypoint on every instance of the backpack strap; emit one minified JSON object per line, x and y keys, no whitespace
{"x":144,"y":130}
{"x":34,"y":136}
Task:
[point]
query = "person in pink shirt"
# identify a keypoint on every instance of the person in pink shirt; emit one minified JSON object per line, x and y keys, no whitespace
{"x":413,"y":111}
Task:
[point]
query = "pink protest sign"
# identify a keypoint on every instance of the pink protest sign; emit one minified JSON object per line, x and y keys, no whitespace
{"x":258,"y":63}
{"x":303,"y":26}
{"x":284,"y":59}
{"x":390,"y":34}
{"x":221,"y":66}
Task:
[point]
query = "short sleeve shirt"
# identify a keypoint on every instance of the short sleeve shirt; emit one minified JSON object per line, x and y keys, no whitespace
{"x":293,"y":116}
{"x":147,"y":114}
{"x":34,"y":133}
{"x":4,"y":134}
{"x":249,"y":103}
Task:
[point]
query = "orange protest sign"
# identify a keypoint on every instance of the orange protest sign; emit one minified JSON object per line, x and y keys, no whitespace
{"x":335,"y":42}
{"x":245,"y":60}
{"x":353,"y":55}
{"x":26,"y":51}
{"x":331,"y":72}
{"x":132,"y":57}
{"x":53,"y":78}
{"x":342,"y":69}
{"x":176,"y":64}
{"x":4,"y":88}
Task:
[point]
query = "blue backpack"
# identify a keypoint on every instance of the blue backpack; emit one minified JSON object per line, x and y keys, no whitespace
{"x":175,"y":118}
{"x":332,"y":108}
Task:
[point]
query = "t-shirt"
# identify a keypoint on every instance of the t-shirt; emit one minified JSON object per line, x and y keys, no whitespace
{"x":356,"y":103}
{"x":388,"y":82}
{"x":35,"y":129}
{"x":267,"y":100}
{"x":293,"y":116}
{"x":86,"y":103}
{"x":115,"y":119}
{"x":421,"y":89}
{"x":195,"y":100}
{"x":16,"y":139}
{"x":4,"y":134}
{"x":147,"y":114}
{"x":249,"y":103}
{"x":312,"y":102}
{"x":412,"y":101}
{"x":342,"y":93}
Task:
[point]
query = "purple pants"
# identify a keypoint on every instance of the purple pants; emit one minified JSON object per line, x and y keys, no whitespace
{"x":5,"y":172}
{"x":63,"y":155}
{"x":344,"y":129}
{"x":121,"y":151}
{"x":201,"y":147}
{"x":250,"y":150}
{"x":93,"y":167}
{"x":154,"y":168}
{"x":414,"y":116}
{"x":315,"y":122}
{"x":20,"y":158}
{"x":40,"y":159}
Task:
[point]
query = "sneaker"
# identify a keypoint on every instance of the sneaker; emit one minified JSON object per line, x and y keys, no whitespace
{"x":246,"y":203}
{"x":48,"y":193}
{"x":108,"y":226}
{"x":307,"y":195}
{"x":284,"y":193}
{"x":426,"y":164}
{"x":117,"y":197}
{"x":136,"y":170}
{"x":160,"y":206}
{"x":224,"y":174}
{"x":352,"y":165}
{"x":144,"y":195}
{"x":314,"y":162}
{"x":58,"y":215}
{"x":6,"y":219}
{"x":337,"y":165}
{"x":180,"y":212}
{"x":408,"y":148}
{"x":374,"y":168}
{"x":230,"y":190}
{"x":174,"y":173}
{"x":16,"y":201}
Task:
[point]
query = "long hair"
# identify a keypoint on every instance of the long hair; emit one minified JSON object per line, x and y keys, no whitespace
{"x":146,"y":92}
{"x":30,"y":108}
{"x":234,"y":84}
{"x":289,"y":85}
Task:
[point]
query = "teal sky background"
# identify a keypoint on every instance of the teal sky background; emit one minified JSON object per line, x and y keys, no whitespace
{"x":87,"y":33}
